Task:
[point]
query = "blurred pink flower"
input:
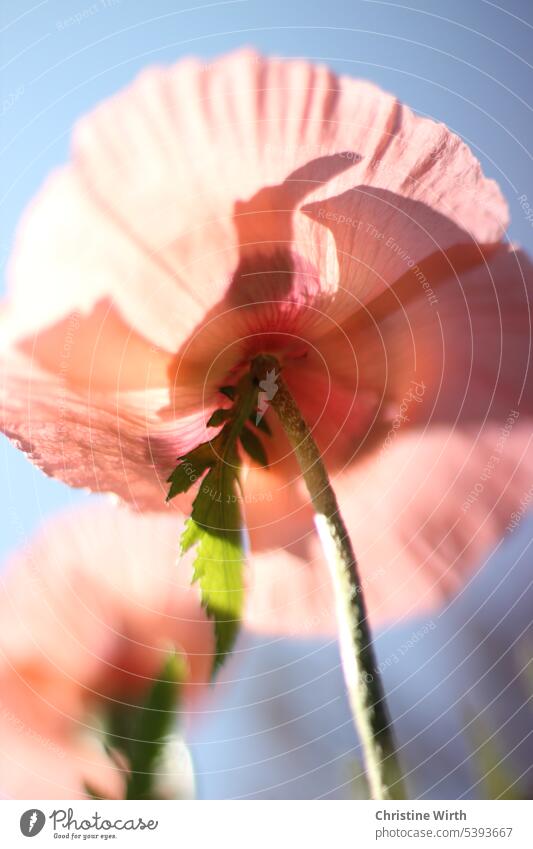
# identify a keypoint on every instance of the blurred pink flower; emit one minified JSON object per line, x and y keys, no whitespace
{"x":213,"y":212}
{"x":88,"y":611}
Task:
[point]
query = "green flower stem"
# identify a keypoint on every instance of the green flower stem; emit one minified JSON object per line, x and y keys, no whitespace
{"x":361,"y":673}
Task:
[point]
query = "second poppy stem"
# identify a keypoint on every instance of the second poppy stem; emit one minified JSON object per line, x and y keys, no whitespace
{"x":361,"y":673}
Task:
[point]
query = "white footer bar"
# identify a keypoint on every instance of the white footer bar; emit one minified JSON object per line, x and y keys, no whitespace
{"x":267,"y":824}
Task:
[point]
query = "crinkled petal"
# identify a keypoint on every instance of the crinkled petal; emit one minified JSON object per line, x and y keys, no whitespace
{"x":108,"y":441}
{"x":432,"y":489}
{"x":189,"y":205}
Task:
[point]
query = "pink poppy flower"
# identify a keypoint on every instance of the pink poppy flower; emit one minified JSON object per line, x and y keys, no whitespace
{"x":256,"y":205}
{"x":88,"y":609}
{"x":432,"y":489}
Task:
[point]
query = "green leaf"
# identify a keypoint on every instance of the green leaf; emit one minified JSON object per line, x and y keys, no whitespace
{"x":154,"y":722}
{"x":229,"y":391}
{"x":262,"y":424}
{"x":215,"y":528}
{"x":219,"y":417}
{"x":215,"y":525}
{"x":253,"y":446}
{"x":191,"y":467}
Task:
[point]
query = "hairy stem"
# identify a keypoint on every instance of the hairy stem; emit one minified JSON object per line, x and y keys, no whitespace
{"x":361,"y":673}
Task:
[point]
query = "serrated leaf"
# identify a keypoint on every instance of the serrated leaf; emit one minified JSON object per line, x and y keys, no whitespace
{"x":190,"y":468}
{"x":218,"y":418}
{"x":253,"y":446}
{"x":215,"y":528}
